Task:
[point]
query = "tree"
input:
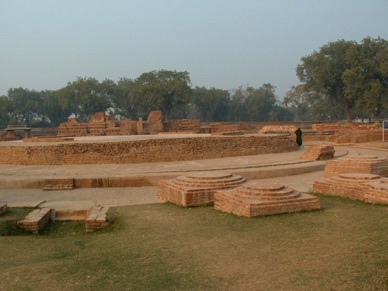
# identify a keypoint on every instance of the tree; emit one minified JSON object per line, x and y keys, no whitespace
{"x":252,"y":104}
{"x":322,"y":72}
{"x":86,"y":96}
{"x":213,"y":104}
{"x":161,"y":90}
{"x":25,"y":104}
{"x":261,"y":102}
{"x":297,"y":99}
{"x":121,"y":101}
{"x":366,"y":78}
{"x":238,"y":104}
{"x":52,"y":110}
{"x":5,"y":111}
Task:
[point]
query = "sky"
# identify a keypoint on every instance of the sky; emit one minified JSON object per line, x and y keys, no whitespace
{"x":221,"y":43}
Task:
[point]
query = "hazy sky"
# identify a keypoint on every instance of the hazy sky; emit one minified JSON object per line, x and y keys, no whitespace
{"x":221,"y":43}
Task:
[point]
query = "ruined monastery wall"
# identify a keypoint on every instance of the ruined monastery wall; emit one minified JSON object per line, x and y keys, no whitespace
{"x":144,"y":151}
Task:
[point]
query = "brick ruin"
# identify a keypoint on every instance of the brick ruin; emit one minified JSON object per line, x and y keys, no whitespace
{"x":94,"y":218}
{"x":364,"y":164}
{"x":102,"y":124}
{"x":369,"y":188}
{"x":35,"y":220}
{"x":278,"y":129}
{"x":316,"y":153}
{"x":196,"y":189}
{"x":255,"y":199}
{"x":144,"y":151}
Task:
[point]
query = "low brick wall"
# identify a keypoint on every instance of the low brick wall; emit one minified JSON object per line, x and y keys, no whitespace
{"x":35,"y":220}
{"x":96,"y":218}
{"x":144,"y":151}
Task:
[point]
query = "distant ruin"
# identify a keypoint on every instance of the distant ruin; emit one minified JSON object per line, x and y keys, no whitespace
{"x":102,"y":124}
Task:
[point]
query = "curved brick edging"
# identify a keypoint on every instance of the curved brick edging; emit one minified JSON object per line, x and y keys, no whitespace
{"x":145,"y":151}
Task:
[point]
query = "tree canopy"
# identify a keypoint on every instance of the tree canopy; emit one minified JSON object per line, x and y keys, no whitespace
{"x":341,"y":79}
{"x":349,"y":73}
{"x":161,"y":90}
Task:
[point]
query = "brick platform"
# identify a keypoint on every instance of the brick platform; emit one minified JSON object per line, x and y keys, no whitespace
{"x":364,"y":164}
{"x":365,"y":187}
{"x":58,"y":184}
{"x":96,"y":218}
{"x":35,"y":220}
{"x":3,"y":208}
{"x":316,"y":153}
{"x":197,"y":189}
{"x":143,"y":151}
{"x":256,"y":199}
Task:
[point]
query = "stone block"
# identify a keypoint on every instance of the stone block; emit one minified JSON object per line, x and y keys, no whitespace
{"x":256,"y":199}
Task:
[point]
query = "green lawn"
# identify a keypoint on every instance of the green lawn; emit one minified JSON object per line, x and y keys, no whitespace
{"x":165,"y":247}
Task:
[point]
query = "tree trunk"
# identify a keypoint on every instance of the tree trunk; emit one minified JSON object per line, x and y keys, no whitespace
{"x":347,"y":112}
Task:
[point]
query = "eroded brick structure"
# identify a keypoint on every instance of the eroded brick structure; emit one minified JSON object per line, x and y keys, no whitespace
{"x":364,"y":164}
{"x":35,"y":220}
{"x":196,"y":189}
{"x":315,"y":153}
{"x":144,"y":151}
{"x":257,"y":199}
{"x":96,"y":218}
{"x":184,"y":125}
{"x":365,"y":187}
{"x":102,"y":124}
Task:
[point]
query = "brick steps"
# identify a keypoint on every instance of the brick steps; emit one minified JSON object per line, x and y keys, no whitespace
{"x":369,"y":188}
{"x":256,"y":199}
{"x":197,"y":189}
{"x":366,"y":164}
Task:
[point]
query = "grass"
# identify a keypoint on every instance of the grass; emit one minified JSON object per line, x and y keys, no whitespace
{"x":165,"y":247}
{"x":8,"y":221}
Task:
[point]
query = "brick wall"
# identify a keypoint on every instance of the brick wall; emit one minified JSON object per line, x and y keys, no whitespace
{"x":157,"y":150}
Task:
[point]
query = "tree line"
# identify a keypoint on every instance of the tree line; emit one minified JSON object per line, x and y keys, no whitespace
{"x":342,"y":80}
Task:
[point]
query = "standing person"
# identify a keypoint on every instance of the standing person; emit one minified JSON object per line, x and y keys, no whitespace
{"x":298,"y":133}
